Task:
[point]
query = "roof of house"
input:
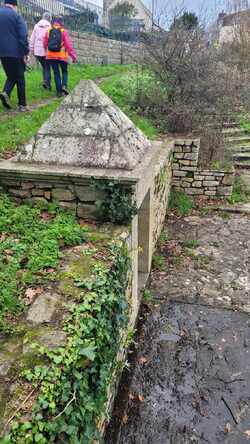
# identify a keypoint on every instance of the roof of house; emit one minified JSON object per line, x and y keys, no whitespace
{"x":236,"y":17}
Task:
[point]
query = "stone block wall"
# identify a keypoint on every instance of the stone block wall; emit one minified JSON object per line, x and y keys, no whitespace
{"x":162,"y":186}
{"x":92,"y":49}
{"x":80,"y":199}
{"x":194,"y":181}
{"x":98,"y":50}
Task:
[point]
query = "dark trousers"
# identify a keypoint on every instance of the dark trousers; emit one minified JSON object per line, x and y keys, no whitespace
{"x":14,"y":69}
{"x":46,"y":70}
{"x":60,"y":70}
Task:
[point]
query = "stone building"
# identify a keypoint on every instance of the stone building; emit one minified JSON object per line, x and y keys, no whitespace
{"x":143,"y":14}
{"x":231,"y":24}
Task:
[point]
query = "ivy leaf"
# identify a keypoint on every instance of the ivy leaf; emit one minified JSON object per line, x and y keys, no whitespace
{"x":57,"y":359}
{"x":89,"y":352}
{"x":39,"y":437}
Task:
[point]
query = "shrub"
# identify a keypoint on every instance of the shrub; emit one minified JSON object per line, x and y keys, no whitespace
{"x":181,"y":202}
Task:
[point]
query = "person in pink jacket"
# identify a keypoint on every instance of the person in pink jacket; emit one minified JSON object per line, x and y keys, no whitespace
{"x":37,"y":47}
{"x":59,"y":48}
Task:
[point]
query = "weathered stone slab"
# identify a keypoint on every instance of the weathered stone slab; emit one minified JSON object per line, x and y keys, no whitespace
{"x":87,"y":130}
{"x":62,"y":194}
{"x":43,"y":308}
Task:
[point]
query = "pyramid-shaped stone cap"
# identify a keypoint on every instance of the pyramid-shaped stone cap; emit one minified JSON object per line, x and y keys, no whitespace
{"x":87,"y":130}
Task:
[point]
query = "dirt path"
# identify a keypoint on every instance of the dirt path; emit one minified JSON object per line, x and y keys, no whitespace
{"x":191,"y":375}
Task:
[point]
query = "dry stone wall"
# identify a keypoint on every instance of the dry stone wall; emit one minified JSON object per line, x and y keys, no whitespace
{"x":81,"y":199}
{"x":194,"y":181}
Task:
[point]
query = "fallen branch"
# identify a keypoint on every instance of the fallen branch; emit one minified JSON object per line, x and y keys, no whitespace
{"x":67,"y":405}
{"x":20,"y":407}
{"x":230,"y":410}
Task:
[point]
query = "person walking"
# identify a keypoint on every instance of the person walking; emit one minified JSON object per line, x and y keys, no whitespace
{"x":59,"y":48}
{"x":37,"y":47}
{"x":14,"y":49}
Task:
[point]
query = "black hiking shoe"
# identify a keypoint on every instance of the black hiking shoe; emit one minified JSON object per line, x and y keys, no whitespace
{"x":46,"y":86}
{"x":65,"y":91}
{"x":5,"y":100}
{"x":23,"y":109}
{"x":59,"y":94}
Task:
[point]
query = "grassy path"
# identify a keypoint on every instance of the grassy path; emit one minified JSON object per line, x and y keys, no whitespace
{"x":16,"y":129}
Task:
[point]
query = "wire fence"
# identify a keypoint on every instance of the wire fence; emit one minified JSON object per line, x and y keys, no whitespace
{"x":82,"y":16}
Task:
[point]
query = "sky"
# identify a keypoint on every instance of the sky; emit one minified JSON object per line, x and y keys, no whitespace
{"x":194,"y":5}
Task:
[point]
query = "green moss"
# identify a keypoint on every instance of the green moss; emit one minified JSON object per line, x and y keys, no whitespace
{"x":78,"y":268}
{"x":10,"y":350}
{"x":98,"y":237}
{"x":3,"y":401}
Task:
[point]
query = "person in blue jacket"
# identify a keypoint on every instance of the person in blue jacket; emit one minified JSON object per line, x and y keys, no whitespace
{"x":14,"y":49}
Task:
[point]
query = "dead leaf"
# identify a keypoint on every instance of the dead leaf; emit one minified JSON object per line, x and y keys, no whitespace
{"x":50,"y":270}
{"x":135,"y":397}
{"x":125,"y":419}
{"x":142,"y":360}
{"x":228,"y":427}
{"x":2,"y":237}
{"x":31,"y":293}
{"x":247,"y":432}
{"x":46,"y":216}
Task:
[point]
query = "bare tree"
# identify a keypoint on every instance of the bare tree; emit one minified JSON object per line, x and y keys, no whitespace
{"x":200,"y":82}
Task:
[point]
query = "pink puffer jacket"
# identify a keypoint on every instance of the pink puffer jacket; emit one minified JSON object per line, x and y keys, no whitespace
{"x":37,"y":38}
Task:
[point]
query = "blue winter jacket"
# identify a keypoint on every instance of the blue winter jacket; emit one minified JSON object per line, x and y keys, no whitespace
{"x":13,"y":34}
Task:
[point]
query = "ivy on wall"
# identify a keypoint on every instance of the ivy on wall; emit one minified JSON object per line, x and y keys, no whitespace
{"x":117,"y":206}
{"x":72,"y":387}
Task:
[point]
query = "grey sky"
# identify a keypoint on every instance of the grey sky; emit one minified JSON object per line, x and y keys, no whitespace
{"x":198,"y":6}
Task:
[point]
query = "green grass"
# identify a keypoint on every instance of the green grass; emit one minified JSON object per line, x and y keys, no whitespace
{"x":245,"y":124}
{"x":29,"y":249}
{"x":35,"y":93}
{"x":17,"y":129}
{"x":20,"y":128}
{"x":119,"y":89}
{"x":192,"y":243}
{"x":158,"y":262}
{"x":241,"y":193}
{"x":180,"y":202}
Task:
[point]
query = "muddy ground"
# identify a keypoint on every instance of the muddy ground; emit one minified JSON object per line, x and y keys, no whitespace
{"x":189,"y":379}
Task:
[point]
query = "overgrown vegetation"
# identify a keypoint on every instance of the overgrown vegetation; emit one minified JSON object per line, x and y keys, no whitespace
{"x":180,"y":202}
{"x":123,"y":9}
{"x":125,"y":92}
{"x":73,"y":385}
{"x":241,"y":193}
{"x":117,"y":205}
{"x":193,"y":87}
{"x":30,"y":250}
{"x":245,"y":124}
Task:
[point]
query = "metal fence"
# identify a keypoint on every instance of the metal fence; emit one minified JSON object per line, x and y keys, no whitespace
{"x":32,"y":10}
{"x":82,"y":16}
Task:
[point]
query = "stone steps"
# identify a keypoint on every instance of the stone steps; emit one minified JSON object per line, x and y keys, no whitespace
{"x":242,"y":156}
{"x":240,"y":208}
{"x":243,"y":164}
{"x":230,"y":125}
{"x":245,"y":148}
{"x":241,"y":140}
{"x":245,"y":176}
{"x":233,"y":132}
